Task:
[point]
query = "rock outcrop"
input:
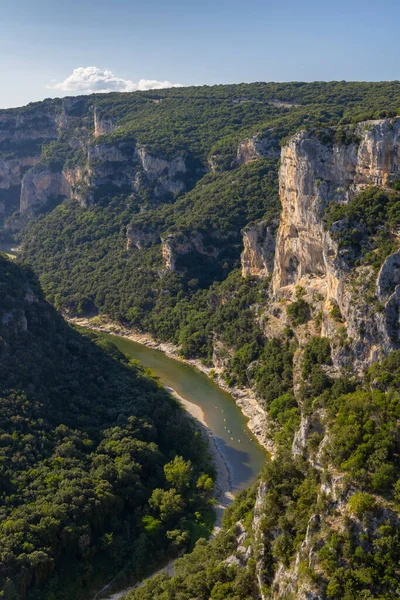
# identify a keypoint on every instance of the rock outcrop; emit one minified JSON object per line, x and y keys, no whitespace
{"x":28,"y":183}
{"x":258,"y":253}
{"x":266,"y":146}
{"x":313,"y":174}
{"x":167,"y":175}
{"x":176,"y":245}
{"x":139,"y":238}
{"x":39,"y":187}
{"x":102,"y":125}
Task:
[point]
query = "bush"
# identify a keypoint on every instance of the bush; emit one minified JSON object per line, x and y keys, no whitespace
{"x":299,"y":312}
{"x":361,"y":503}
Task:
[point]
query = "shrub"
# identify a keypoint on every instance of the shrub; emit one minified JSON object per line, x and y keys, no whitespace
{"x":299,"y":312}
{"x":361,"y":503}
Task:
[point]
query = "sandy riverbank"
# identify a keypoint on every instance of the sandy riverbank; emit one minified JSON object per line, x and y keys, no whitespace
{"x":223,"y":485}
{"x":223,"y":491}
{"x":244,"y":398}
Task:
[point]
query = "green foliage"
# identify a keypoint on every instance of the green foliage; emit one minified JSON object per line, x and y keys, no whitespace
{"x":361,"y":503}
{"x":316,"y":352}
{"x":364,"y":437}
{"x":299,"y":312}
{"x":204,"y":574}
{"x":335,"y":314}
{"x":90,"y":451}
{"x":365,"y":226}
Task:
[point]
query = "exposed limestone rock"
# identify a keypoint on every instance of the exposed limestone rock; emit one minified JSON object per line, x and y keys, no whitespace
{"x":22,"y":133}
{"x":123,"y":164}
{"x":137,"y":238}
{"x":39,"y":186}
{"x":259,"y":535}
{"x":35,"y":124}
{"x":312,"y":175}
{"x":12,"y":170}
{"x":102,"y":124}
{"x":257,"y":257}
{"x":178,"y":244}
{"x":300,"y":437}
{"x":288,"y":582}
{"x":166,"y":174}
{"x":220,"y":356}
{"x":257,"y":147}
{"x":389,"y":276}
{"x":242,"y":553}
{"x":71,"y":109}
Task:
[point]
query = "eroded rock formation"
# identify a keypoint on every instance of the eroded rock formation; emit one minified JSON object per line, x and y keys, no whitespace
{"x":175,"y":245}
{"x":139,"y":238}
{"x":258,"y":250}
{"x":313,"y":174}
{"x":28,"y":182}
{"x":266,"y":146}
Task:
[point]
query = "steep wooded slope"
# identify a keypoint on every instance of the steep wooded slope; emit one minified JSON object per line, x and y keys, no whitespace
{"x":93,"y":480}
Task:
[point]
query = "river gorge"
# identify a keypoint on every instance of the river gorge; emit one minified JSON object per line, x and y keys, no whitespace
{"x":241,"y":452}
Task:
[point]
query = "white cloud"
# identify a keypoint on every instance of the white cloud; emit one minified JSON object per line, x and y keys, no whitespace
{"x":87,"y":80}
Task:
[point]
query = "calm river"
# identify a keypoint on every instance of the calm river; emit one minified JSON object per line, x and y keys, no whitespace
{"x":241,"y":451}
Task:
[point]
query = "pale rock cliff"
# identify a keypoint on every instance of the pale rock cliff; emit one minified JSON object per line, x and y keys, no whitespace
{"x":28,"y":184}
{"x":21,"y":137}
{"x":257,"y":258}
{"x":167,"y":175}
{"x":102,"y":125}
{"x":266,"y":146}
{"x":40,"y":186}
{"x":312,"y":175}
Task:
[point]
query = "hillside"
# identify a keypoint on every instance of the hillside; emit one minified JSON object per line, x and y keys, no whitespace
{"x":257,"y":228}
{"x":100,"y":471}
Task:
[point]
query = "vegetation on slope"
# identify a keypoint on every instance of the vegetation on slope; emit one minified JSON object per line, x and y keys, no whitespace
{"x":100,"y":471}
{"x":83,"y":264}
{"x":366,"y":227}
{"x":352,"y":546}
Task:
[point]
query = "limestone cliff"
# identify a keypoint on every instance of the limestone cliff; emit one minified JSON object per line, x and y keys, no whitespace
{"x":258,"y":250}
{"x":139,"y":238}
{"x":40,"y":186}
{"x":313,"y":174}
{"x":102,"y":125}
{"x":81,"y":163}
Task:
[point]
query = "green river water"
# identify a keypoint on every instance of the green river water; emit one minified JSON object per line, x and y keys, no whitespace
{"x":241,"y":451}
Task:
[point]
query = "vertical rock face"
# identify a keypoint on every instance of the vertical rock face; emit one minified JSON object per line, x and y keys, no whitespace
{"x":40,"y":187}
{"x":312,"y":175}
{"x":166,"y":174}
{"x":21,"y":135}
{"x":257,"y":257}
{"x":138,"y":238}
{"x":102,"y":124}
{"x":28,"y":183}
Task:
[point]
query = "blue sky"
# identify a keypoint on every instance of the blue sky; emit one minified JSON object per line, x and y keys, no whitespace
{"x":42,"y":42}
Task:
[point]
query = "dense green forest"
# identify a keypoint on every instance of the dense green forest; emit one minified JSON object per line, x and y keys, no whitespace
{"x":101,"y":473}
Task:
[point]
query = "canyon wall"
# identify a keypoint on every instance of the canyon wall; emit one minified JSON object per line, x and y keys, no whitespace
{"x":314,"y":173}
{"x":81,"y":164}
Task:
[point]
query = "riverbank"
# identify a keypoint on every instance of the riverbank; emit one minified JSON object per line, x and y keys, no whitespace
{"x":223,"y":486}
{"x":223,"y":493}
{"x":244,"y":398}
{"x":223,"y":490}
